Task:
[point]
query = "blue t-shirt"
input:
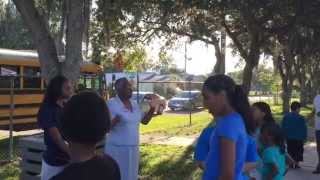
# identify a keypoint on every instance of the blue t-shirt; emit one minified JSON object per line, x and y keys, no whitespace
{"x":252,"y":155}
{"x":272,"y":155}
{"x":48,"y":117}
{"x":202,"y":147}
{"x":252,"y":150}
{"x":294,"y":126}
{"x":233,"y":128}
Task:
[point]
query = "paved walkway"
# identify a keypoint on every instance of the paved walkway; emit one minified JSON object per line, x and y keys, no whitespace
{"x":168,"y":140}
{"x":309,"y":164}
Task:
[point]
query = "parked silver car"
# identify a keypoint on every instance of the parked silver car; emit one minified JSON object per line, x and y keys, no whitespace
{"x":186,"y":100}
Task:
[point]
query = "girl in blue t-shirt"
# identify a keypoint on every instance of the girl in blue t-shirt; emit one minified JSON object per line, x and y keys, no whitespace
{"x":273,"y":160}
{"x":228,"y":144}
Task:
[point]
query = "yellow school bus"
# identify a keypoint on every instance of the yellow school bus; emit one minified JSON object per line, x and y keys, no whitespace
{"x":21,"y":70}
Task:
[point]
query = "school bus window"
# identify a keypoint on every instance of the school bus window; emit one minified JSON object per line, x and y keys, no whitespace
{"x":31,"y":77}
{"x":8,"y":72}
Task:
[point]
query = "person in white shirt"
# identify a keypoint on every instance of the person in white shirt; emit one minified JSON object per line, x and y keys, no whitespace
{"x":122,"y":143}
{"x":316,"y":103}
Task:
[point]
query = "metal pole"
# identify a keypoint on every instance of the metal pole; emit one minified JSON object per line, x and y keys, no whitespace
{"x":190,"y":109}
{"x":112,"y":92}
{"x":11,"y":119}
{"x":185,"y":57}
{"x":138,"y":87}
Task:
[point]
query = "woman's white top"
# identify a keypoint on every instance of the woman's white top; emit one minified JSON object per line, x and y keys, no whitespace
{"x":126,"y":131}
{"x":316,"y":103}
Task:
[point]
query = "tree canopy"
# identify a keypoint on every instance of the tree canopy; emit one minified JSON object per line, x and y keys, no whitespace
{"x":288,"y":31}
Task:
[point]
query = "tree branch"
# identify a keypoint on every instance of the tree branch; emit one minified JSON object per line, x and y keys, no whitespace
{"x":235,"y":40}
{"x":45,"y":44}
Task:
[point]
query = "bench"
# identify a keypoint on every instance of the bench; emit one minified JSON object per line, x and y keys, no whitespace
{"x":32,"y":148}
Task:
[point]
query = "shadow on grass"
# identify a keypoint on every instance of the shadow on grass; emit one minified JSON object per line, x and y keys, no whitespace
{"x":173,"y":168}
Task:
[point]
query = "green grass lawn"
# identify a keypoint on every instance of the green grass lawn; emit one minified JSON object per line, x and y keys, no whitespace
{"x":159,"y":162}
{"x":177,"y":124}
{"x":277,"y":113}
{"x":9,"y":171}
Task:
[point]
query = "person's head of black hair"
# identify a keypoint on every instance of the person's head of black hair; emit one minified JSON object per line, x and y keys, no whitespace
{"x":295,"y":106}
{"x":85,"y":119}
{"x":123,"y":88}
{"x":235,"y":96}
{"x":275,"y":134}
{"x":265,"y":108}
{"x":55,"y":89}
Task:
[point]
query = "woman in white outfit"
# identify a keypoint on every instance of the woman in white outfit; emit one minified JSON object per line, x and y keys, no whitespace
{"x":122,"y":143}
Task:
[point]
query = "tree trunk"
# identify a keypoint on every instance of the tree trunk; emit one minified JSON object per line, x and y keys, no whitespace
{"x":247,"y":77}
{"x":303,"y":94}
{"x":74,"y":35}
{"x":46,"y":48}
{"x":286,"y":95}
{"x":87,"y":10}
{"x":59,"y":43}
{"x":303,"y":85}
{"x":250,"y":54}
{"x":220,"y":53}
{"x":107,"y":5}
{"x":285,"y":67}
{"x":300,"y":69}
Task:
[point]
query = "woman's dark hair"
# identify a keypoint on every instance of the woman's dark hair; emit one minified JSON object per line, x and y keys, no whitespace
{"x":85,"y":119}
{"x":53,"y":93}
{"x":54,"y":90}
{"x":264,"y":107}
{"x":235,"y":95}
{"x":276,"y":132}
{"x":295,"y":106}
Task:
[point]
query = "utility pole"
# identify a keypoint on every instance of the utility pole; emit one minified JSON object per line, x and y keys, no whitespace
{"x":185,"y":57}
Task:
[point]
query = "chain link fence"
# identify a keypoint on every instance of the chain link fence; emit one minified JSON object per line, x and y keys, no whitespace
{"x":7,"y":141}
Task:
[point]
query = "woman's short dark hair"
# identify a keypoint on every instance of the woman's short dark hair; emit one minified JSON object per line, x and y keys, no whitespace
{"x":295,"y":106}
{"x":237,"y":98}
{"x":54,"y":90}
{"x":85,"y":119}
{"x":264,"y":107}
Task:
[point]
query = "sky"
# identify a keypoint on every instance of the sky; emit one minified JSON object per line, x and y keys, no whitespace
{"x":201,"y":56}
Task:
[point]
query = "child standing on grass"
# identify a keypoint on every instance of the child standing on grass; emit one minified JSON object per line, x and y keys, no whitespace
{"x":273,"y":160}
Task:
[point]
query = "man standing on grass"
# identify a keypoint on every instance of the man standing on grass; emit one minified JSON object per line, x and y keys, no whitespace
{"x":316,"y":104}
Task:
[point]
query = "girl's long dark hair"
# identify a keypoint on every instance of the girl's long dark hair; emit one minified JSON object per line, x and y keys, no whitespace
{"x":54,"y":90}
{"x":276,"y":132}
{"x":264,"y":107}
{"x":53,"y":93}
{"x":236,"y":97}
